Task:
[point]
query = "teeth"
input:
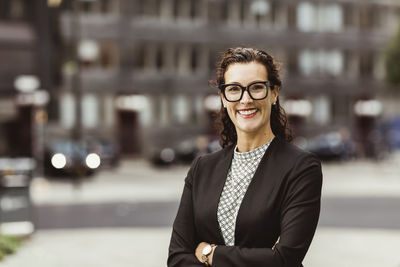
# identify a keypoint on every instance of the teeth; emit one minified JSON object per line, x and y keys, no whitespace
{"x":247,"y":112}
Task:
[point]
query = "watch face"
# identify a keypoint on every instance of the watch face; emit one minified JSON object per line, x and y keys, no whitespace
{"x":207,"y":250}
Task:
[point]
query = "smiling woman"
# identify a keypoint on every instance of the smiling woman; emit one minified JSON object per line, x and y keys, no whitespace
{"x":256,"y":202}
{"x":236,"y":64}
{"x":250,"y":109}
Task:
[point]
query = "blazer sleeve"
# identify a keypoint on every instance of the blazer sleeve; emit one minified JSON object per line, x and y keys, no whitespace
{"x":183,"y":240}
{"x":299,"y":218}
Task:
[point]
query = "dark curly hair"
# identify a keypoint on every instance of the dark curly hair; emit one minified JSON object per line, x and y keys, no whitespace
{"x":279,"y":122}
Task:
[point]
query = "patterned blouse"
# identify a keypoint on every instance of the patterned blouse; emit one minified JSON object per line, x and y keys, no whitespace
{"x":241,"y":171}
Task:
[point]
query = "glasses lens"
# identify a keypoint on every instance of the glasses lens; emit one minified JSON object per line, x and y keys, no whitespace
{"x":233,"y":92}
{"x":258,"y":90}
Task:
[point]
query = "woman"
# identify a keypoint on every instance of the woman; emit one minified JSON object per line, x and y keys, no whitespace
{"x":256,"y":202}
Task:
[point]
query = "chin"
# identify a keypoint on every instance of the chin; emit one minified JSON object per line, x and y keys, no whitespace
{"x":248,"y":127}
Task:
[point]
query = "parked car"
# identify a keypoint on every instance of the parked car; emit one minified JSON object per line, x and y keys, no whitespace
{"x":185,"y":151}
{"x":331,"y":146}
{"x":107,"y":150}
{"x":70,"y":158}
{"x":163,"y":156}
{"x":393,"y":133}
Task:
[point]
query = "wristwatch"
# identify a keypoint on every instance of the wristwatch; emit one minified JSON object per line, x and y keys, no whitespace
{"x":206,"y":252}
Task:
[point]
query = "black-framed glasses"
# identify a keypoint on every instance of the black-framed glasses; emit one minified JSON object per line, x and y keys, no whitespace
{"x":257,"y":90}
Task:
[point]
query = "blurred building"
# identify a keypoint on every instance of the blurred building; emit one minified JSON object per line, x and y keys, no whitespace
{"x":26,"y":43}
{"x":139,"y":69}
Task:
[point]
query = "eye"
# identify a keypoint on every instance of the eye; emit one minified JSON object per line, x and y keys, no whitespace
{"x":233,"y":88}
{"x":258,"y":86}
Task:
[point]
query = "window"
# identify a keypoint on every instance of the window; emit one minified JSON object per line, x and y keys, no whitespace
{"x":322,"y":107}
{"x":261,"y":11}
{"x":90,"y":111}
{"x":67,"y":110}
{"x":181,"y":109}
{"x":332,"y":62}
{"x":167,"y":10}
{"x":15,"y":10}
{"x":203,"y":57}
{"x":321,"y":62}
{"x":150,"y":56}
{"x":330,"y":18}
{"x":306,"y":17}
{"x":98,"y":54}
{"x":390,"y":20}
{"x":319,"y":17}
{"x":184,"y":56}
{"x":151,"y":8}
{"x":235,"y":13}
{"x":193,"y":60}
{"x":153,"y":57}
{"x":340,"y":108}
{"x":140,"y":57}
{"x":108,"y":106}
{"x":109,"y":55}
{"x":194,"y":8}
{"x":366,"y":64}
{"x":141,"y":104}
{"x":307,"y":62}
{"x":168,"y":57}
{"x":185,"y":9}
{"x":99,"y":6}
{"x":159,"y":58}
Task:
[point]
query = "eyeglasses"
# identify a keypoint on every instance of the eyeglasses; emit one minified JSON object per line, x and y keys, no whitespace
{"x":234,"y":92}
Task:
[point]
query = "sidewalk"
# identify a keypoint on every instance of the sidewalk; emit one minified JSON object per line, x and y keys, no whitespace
{"x":133,"y":180}
{"x":144,"y":247}
{"x":137,"y":181}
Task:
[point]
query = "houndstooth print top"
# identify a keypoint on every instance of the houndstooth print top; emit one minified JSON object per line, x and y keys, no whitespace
{"x":241,"y":171}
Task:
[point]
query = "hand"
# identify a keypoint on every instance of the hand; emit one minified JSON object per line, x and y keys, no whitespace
{"x":199,"y":252}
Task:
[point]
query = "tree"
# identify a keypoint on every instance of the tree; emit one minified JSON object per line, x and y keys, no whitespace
{"x":392,"y":61}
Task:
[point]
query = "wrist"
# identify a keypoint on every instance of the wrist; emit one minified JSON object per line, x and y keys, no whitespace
{"x":211,"y":256}
{"x":207,"y":253}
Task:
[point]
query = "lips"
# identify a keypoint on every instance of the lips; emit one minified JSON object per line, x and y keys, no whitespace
{"x":247,"y":113}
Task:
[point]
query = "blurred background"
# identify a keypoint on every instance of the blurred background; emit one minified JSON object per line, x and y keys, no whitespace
{"x":105,"y":103}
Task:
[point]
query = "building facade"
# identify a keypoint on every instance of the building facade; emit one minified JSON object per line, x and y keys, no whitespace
{"x":141,"y":69}
{"x":26,"y":45}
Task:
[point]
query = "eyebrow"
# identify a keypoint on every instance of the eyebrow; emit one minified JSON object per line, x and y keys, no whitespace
{"x":238,"y":83}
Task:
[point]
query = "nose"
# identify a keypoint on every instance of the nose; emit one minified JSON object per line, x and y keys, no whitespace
{"x":246,"y":98}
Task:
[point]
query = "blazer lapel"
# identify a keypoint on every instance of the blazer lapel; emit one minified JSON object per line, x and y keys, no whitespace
{"x":218,"y":182}
{"x":256,"y":184}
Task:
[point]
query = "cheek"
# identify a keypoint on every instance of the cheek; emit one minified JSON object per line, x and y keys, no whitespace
{"x":231,"y":112}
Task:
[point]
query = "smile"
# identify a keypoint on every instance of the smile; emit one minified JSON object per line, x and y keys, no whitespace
{"x":247,"y":113}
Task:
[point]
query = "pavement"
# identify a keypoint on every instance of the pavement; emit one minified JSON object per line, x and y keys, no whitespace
{"x":135,"y":181}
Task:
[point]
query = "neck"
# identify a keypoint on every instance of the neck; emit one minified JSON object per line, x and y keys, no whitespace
{"x":248,"y":141}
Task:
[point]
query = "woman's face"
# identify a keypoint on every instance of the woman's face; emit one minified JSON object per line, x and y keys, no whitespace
{"x":248,"y":115}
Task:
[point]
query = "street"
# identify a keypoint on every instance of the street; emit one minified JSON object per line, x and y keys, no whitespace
{"x":361,"y":212}
{"x":123,"y":217}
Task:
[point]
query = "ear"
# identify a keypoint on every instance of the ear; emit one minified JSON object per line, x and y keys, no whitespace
{"x":222,"y":99}
{"x":275,"y":93}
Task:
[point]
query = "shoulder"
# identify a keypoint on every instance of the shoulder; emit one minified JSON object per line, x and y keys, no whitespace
{"x":213,"y":158}
{"x":292,"y":159}
{"x":212,"y":164}
{"x":217,"y":155}
{"x":292,"y":152}
{"x":302,"y":167}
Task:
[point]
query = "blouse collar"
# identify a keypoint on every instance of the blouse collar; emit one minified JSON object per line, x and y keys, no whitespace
{"x":252,"y":154}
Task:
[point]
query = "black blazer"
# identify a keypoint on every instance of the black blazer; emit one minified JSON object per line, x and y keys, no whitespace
{"x":282,"y":200}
